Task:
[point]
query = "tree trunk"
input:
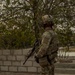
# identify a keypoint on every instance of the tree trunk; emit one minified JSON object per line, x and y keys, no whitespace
{"x":35,"y":18}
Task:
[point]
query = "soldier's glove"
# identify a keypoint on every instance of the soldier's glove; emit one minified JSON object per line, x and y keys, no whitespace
{"x":36,"y":59}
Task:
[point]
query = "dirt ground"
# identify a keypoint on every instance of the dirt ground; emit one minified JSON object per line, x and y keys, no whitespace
{"x":13,"y":73}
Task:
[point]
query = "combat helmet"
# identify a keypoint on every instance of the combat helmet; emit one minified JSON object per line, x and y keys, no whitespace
{"x":47,"y":21}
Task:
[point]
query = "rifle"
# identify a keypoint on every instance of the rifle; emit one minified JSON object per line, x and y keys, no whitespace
{"x":30,"y":53}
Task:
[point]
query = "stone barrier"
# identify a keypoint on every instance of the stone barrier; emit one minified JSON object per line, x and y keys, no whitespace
{"x":12,"y":61}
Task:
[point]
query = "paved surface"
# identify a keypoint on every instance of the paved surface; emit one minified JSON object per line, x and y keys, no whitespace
{"x":12,"y":73}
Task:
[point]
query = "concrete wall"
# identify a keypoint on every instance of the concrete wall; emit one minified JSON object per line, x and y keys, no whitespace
{"x":12,"y":61}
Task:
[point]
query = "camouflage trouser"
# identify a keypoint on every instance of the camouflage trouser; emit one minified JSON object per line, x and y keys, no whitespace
{"x":47,"y":70}
{"x":47,"y":67}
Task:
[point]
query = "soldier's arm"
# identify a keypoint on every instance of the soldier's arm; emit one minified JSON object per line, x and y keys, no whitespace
{"x":46,"y":38}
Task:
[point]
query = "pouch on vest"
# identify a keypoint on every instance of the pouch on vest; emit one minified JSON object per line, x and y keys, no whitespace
{"x":43,"y":61}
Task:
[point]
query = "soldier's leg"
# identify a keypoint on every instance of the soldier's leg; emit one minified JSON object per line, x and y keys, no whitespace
{"x":46,"y":70}
{"x":52,"y":69}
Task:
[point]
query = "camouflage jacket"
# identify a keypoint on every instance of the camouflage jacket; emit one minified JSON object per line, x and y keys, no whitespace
{"x":49,"y":43}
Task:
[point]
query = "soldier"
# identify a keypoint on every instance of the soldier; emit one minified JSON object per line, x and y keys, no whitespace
{"x":47,"y":53}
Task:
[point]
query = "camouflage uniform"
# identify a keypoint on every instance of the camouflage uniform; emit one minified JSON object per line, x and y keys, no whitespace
{"x":47,"y":52}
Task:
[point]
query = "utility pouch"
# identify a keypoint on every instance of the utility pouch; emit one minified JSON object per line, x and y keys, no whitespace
{"x":43,"y":61}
